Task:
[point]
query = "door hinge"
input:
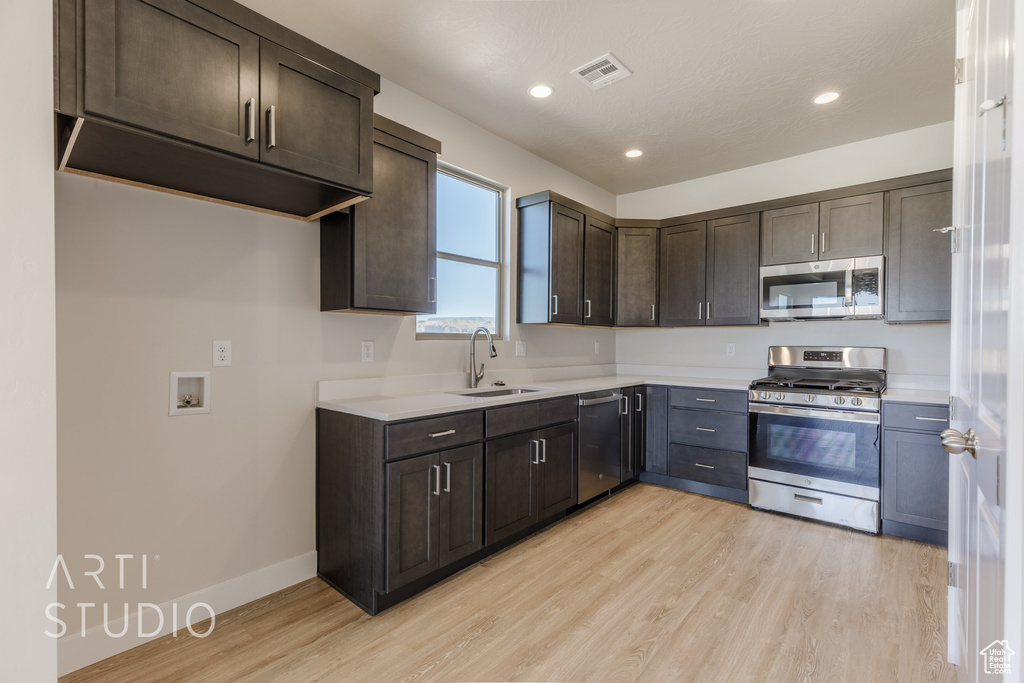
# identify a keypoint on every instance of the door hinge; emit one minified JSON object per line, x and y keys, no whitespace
{"x":999,"y":483}
{"x":954,"y":240}
{"x":951,"y":568}
{"x":958,"y":71}
{"x":952,"y":409}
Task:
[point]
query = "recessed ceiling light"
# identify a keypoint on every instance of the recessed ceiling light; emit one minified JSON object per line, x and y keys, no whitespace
{"x":826,"y":97}
{"x":634,"y":153}
{"x":541,"y":91}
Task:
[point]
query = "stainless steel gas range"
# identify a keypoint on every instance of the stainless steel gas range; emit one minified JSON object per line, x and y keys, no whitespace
{"x":814,"y":434}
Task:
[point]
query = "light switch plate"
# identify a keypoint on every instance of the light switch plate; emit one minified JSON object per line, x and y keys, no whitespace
{"x":730,"y":349}
{"x":520,"y":348}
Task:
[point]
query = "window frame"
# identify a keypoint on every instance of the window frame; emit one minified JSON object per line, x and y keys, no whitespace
{"x":498,"y":265}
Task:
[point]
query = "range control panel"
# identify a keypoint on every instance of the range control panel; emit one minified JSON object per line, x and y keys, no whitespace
{"x":826,"y":356}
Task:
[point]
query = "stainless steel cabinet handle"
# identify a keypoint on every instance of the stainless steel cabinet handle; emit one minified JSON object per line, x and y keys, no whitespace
{"x":444,"y":433}
{"x":432,"y":286}
{"x":447,"y":477}
{"x":707,"y":467}
{"x":437,"y":480}
{"x":814,"y":242}
{"x":705,"y":429}
{"x":930,"y":419}
{"x":639,"y":403}
{"x":808,"y":499}
{"x":707,"y":400}
{"x":543,"y":450}
{"x":652,"y":311}
{"x":271,"y":127}
{"x":587,"y":302}
{"x":700,"y":310}
{"x":624,"y":406}
{"x":707,"y":305}
{"x":824,"y":242}
{"x":554,"y":308}
{"x":534,"y":452}
{"x":250,"y":120}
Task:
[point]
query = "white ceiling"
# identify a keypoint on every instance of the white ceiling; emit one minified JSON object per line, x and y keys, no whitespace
{"x":717,"y":84}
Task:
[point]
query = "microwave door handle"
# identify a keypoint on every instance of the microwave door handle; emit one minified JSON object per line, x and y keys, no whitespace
{"x":849,"y":287}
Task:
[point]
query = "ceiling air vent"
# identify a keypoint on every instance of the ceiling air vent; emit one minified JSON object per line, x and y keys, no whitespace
{"x":602,"y":71}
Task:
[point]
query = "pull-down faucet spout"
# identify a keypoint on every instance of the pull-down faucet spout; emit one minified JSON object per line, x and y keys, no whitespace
{"x":474,"y":375}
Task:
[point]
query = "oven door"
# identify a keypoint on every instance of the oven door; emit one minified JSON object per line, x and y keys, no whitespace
{"x":830,"y":450}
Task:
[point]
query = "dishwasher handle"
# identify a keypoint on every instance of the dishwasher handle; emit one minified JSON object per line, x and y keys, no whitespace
{"x":599,"y":401}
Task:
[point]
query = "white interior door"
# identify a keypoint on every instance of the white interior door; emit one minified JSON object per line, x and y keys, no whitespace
{"x":980,"y":341}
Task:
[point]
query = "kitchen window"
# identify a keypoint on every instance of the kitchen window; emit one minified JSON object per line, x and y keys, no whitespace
{"x":469,"y":238}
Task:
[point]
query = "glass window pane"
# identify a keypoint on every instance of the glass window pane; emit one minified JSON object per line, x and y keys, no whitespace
{"x":467,"y":218}
{"x":467,"y":297}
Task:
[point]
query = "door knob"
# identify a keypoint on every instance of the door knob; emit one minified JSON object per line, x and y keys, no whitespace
{"x":956,"y":443}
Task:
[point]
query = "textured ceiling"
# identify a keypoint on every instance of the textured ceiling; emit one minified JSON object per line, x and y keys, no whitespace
{"x":717,"y":85}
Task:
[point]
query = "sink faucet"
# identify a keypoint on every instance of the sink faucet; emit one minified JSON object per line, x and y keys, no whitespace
{"x":474,"y":376}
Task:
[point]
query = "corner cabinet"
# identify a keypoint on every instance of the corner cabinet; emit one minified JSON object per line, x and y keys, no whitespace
{"x":566,"y":263}
{"x":919,"y":283}
{"x":636,"y":277}
{"x":213,"y":100}
{"x":381,"y":254}
{"x":709,"y":272}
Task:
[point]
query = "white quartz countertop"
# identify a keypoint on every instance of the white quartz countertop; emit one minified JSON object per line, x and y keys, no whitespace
{"x":425,"y":404}
{"x":916,"y":396}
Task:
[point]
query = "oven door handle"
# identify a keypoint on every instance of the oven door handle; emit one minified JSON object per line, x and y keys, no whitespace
{"x":839,"y":415}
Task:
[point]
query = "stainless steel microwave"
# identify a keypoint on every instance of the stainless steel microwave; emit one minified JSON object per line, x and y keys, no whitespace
{"x":844,"y":288}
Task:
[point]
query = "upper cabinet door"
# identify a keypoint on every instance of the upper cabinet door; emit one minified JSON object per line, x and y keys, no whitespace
{"x":789,"y":235}
{"x":732,"y":284}
{"x":566,"y":254}
{"x":395,"y":233}
{"x":636,"y":278}
{"x":313,"y":120}
{"x":919,"y":266}
{"x":683,"y":268}
{"x":598,"y":273}
{"x":173,"y":68}
{"x":851,"y":227}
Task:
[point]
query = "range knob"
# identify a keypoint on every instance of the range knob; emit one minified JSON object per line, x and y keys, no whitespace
{"x":765,"y":395}
{"x":809,"y":398}
{"x":857,"y":401}
{"x":839,"y":400}
{"x":779,"y":396}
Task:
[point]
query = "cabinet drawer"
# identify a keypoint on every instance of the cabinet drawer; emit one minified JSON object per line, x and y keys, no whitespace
{"x":433,"y":434}
{"x":556,"y":410}
{"x":721,"y":468}
{"x":726,"y":431}
{"x":921,"y":417}
{"x":709,"y":399}
{"x":520,"y":417}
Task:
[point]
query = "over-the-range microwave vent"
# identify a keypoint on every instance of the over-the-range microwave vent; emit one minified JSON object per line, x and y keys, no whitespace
{"x":602,"y":71}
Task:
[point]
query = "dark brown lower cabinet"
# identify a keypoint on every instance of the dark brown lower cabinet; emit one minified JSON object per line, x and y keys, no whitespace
{"x":655,"y":418}
{"x":434,"y":512}
{"x":530,"y":477}
{"x":633,"y":431}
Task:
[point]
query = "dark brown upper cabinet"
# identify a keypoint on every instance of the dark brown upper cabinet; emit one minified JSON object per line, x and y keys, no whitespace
{"x":709,"y":272}
{"x":598,"y":273}
{"x":550,"y":263}
{"x":208,"y":98}
{"x":919,"y":264}
{"x":381,"y":254}
{"x":636,"y":277}
{"x":838,"y":228}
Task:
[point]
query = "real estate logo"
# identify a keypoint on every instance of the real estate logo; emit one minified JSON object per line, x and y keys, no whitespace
{"x":997,"y":657}
{"x":133,"y":569}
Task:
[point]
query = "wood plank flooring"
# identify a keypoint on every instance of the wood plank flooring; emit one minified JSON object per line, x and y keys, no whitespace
{"x":652,"y":584}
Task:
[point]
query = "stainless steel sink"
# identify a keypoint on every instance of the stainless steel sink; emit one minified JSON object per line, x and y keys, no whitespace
{"x":502,"y":391}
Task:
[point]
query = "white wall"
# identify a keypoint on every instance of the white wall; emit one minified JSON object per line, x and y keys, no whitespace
{"x":921,"y":350}
{"x":28,"y":451}
{"x":889,"y":156}
{"x":145,"y":282}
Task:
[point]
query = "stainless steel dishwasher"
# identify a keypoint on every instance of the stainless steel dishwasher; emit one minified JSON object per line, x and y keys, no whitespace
{"x":600,"y":443}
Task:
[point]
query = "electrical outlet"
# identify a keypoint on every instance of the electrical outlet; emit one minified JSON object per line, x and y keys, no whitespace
{"x":221,"y":354}
{"x":367,"y":352}
{"x":730,"y":349}
{"x":520,"y":348}
{"x":597,"y":348}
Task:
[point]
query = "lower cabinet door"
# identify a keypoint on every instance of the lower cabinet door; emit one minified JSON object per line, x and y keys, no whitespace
{"x":556,"y":469}
{"x":511,"y":501}
{"x":462,"y":502}
{"x":915,"y":479}
{"x":413,"y":503}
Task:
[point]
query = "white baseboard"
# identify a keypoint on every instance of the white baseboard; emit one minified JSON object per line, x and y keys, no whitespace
{"x":76,"y":650}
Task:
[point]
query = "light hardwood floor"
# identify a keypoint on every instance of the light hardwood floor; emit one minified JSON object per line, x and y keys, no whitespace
{"x":652,"y":584}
